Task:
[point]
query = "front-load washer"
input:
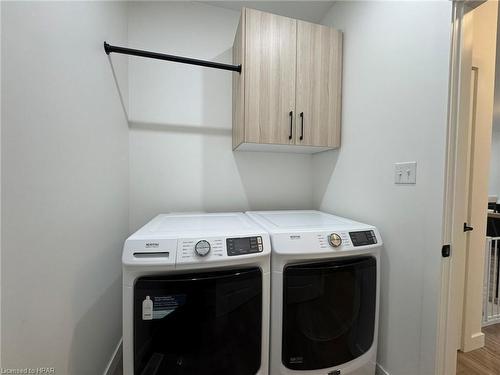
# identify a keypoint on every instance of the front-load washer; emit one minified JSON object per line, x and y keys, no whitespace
{"x":324,"y":293}
{"x":196,"y":291}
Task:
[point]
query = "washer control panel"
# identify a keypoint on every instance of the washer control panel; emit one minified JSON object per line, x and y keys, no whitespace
{"x":210,"y":249}
{"x":196,"y":250}
{"x":363,"y":238}
{"x":244,"y":245}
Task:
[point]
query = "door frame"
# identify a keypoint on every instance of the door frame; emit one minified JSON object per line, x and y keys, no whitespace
{"x":454,"y":288}
{"x":447,"y":339}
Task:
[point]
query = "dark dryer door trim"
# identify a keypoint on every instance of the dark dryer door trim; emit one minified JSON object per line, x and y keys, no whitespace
{"x":329,"y":311}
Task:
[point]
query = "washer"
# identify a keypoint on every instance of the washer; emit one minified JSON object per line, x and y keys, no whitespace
{"x":196,"y":296}
{"x":325,"y":293}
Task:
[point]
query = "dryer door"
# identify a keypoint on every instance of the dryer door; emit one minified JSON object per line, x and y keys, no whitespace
{"x":194,"y":324}
{"x":329,"y":311}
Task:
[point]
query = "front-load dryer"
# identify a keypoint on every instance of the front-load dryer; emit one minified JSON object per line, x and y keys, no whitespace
{"x":196,"y":293}
{"x":324,"y":293}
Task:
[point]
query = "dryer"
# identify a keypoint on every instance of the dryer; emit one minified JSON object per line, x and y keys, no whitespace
{"x":325,"y":293}
{"x":196,"y":296}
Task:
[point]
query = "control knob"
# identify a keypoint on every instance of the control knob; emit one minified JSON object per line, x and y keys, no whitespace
{"x":334,"y":240}
{"x":202,"y":248}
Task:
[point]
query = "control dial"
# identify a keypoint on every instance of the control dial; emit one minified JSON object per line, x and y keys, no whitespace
{"x":202,"y":248}
{"x":334,"y":240}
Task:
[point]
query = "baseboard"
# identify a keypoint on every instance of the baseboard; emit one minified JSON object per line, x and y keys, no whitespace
{"x":380,"y":370}
{"x":476,"y":341}
{"x":115,"y":360}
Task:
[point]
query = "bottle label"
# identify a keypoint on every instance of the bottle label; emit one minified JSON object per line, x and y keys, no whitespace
{"x":159,"y":307}
{"x":147,"y":309}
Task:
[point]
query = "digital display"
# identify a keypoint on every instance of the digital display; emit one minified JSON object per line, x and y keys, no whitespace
{"x":360,"y":236}
{"x":241,"y":244}
{"x":363,"y":238}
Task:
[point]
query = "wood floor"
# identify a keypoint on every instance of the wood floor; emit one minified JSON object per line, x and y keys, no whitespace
{"x":484,"y":361}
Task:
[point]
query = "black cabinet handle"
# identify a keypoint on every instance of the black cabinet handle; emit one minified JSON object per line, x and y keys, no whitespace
{"x":302,"y":126}
{"x":467,"y":228}
{"x":291,"y":125}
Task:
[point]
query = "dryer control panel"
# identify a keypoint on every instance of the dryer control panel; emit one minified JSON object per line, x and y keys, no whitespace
{"x":325,"y":240}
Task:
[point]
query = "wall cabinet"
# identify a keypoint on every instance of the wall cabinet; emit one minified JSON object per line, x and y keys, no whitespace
{"x":288,"y":95}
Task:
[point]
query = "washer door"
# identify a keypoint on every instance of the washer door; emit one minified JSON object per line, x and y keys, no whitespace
{"x":196,"y":324}
{"x":328,"y":312}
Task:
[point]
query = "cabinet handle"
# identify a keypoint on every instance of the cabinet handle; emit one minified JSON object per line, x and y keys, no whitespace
{"x":291,"y":124}
{"x":302,"y":125}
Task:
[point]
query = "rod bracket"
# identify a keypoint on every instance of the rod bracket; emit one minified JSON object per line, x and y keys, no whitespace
{"x":106,"y":48}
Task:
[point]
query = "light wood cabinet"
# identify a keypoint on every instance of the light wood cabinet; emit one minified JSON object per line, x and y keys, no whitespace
{"x":271,"y":44}
{"x":319,"y":75}
{"x":288,"y":95}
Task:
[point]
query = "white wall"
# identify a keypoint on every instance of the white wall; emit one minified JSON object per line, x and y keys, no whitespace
{"x":64,"y":185}
{"x":395,"y":98}
{"x":494,"y":185}
{"x":180,"y":138}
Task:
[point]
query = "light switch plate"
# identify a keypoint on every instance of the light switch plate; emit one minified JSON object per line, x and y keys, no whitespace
{"x":405,"y":173}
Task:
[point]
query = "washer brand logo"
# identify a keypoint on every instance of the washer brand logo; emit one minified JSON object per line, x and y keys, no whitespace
{"x":295,"y":237}
{"x":334,"y":372}
{"x":149,"y":245}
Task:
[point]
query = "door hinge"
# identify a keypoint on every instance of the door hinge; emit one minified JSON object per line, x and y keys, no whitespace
{"x":467,"y":228}
{"x":446,"y":251}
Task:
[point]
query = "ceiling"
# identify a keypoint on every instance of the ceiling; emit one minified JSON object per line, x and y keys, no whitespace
{"x":312,"y":11}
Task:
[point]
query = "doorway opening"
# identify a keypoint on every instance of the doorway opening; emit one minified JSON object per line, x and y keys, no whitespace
{"x":471,"y":318}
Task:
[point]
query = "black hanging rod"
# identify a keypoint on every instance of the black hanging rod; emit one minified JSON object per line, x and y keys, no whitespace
{"x":108,"y":48}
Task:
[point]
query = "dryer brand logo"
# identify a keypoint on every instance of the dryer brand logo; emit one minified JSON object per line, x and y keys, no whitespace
{"x":152,"y":245}
{"x":334,"y":372}
{"x":295,"y":237}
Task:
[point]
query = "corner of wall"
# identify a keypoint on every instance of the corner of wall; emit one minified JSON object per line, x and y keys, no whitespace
{"x":379,"y":370}
{"x":115,"y":361}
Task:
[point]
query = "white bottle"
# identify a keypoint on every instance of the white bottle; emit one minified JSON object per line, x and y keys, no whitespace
{"x":147,"y":309}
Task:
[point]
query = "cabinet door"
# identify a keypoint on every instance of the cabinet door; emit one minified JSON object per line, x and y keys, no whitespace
{"x":319,"y":76}
{"x":270,"y":62}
